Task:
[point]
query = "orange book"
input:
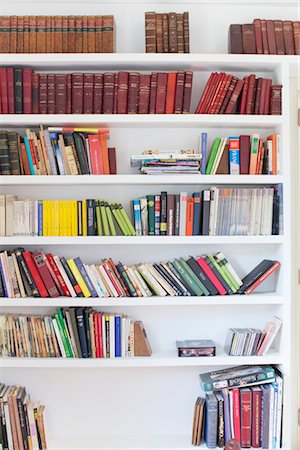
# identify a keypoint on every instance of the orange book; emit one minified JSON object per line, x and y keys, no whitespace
{"x":273,"y":139}
{"x":189,"y":216}
{"x":104,"y":152}
{"x":171,"y":88}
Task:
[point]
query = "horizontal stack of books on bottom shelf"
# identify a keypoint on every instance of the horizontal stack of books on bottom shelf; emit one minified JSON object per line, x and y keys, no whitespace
{"x":244,"y":403}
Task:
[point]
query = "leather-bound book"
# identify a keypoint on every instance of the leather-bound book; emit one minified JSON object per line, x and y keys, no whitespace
{"x":296,"y":33}
{"x":159,"y":33}
{"x":58,"y":35}
{"x":18,"y":91}
{"x":258,"y":36}
{"x":78,"y":34}
{"x":32,"y":34}
{"x":77,"y":93}
{"x":4,"y":154}
{"x":271,"y":37}
{"x":171,"y":91}
{"x":35,"y":93}
{"x":14,"y":159}
{"x":108,"y":30}
{"x":213,"y":100}
{"x":234,"y":97}
{"x":226,"y":83}
{"x":4,"y":90}
{"x":69,"y":94}
{"x":223,"y":167}
{"x":122,"y":93}
{"x":10,"y":90}
{"x":278,"y":26}
{"x":246,"y":413}
{"x":116,"y":83}
{"x":4,"y":34}
{"x":248,"y":38}
{"x":48,"y":34}
{"x":88,"y":93}
{"x":262,"y":99}
{"x":51,"y":93}
{"x":186,"y":32}
{"x":235,"y":39}
{"x":153,"y":87}
{"x":288,"y":37}
{"x":13,"y":34}
{"x":179,"y":92}
{"x":187,"y":92}
{"x":245,"y":148}
{"x":27,"y":90}
{"x":20,"y":31}
{"x":275,"y":104}
{"x":144,"y":94}
{"x":52,"y":34}
{"x":161,"y":93}
{"x":26,"y":31}
{"x":228,"y":94}
{"x":65,"y":31}
{"x":91,"y":34}
{"x":60,"y":93}
{"x":133,"y":92}
{"x":98,"y":34}
{"x":256,"y":416}
{"x":108,"y":92}
{"x":85,"y":34}
{"x":180,"y":38}
{"x":98,"y":93}
{"x":173,"y":32}
{"x":257,"y":96}
{"x":24,"y":160}
{"x":267,"y":96}
{"x":71,"y":35}
{"x":243,"y":103}
{"x":41,"y":34}
{"x":165,"y":26}
{"x":43,"y":101}
{"x":112,"y":160}
{"x":251,"y":94}
{"x":150,"y":32}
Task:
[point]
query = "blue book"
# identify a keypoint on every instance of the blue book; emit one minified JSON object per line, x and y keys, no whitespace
{"x":197,"y":213}
{"x":211,"y":420}
{"x":137,"y":217}
{"x":203,"y":152}
{"x":227,"y":429}
{"x":57,"y":152}
{"x":118,"y":338}
{"x":40,"y":218}
{"x":29,"y":157}
{"x":85,"y":276}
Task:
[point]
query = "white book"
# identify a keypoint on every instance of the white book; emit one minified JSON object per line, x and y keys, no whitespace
{"x":270,"y":212}
{"x":161,"y":280}
{"x":221,"y":256}
{"x":233,"y":206}
{"x":65,"y":276}
{"x":28,"y":217}
{"x":92,"y":278}
{"x":271,"y":414}
{"x":13,"y":277}
{"x":36,"y":218}
{"x":9,"y":216}
{"x":271,"y":333}
{"x":103,"y":283}
{"x":99,"y":282}
{"x":112,"y":344}
{"x":257,"y":212}
{"x":32,"y":425}
{"x":214,"y":195}
{"x":3,"y":336}
{"x":253,"y":201}
{"x":230,"y":396}
{"x":134,"y":273}
{"x":7,"y":419}
{"x":270,"y":155}
{"x":2,"y":215}
{"x":264,"y":212}
{"x":182,"y":214}
{"x":59,"y":339}
{"x":279,"y":382}
{"x":142,"y":283}
{"x":144,"y":215}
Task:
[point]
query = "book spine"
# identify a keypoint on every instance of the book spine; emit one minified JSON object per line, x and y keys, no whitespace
{"x":122,"y":93}
{"x":179,"y":92}
{"x":108,"y":93}
{"x":144,"y":94}
{"x":150,"y":32}
{"x":246,"y":407}
{"x":18,"y":79}
{"x":98,"y":93}
{"x":77,"y":93}
{"x":187,"y":92}
{"x":186,"y":32}
{"x":161,"y":92}
{"x":133,"y":92}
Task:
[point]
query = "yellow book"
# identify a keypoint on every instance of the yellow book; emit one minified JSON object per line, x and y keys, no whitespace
{"x":52,"y":209}
{"x":69,"y":217}
{"x":84,"y":218}
{"x":61,"y":214}
{"x":74,"y":218}
{"x":56,"y":218}
{"x":78,"y":277}
{"x":45,"y":218}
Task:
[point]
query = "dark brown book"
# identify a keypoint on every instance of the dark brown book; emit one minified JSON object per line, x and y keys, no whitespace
{"x":84,"y":34}
{"x":264,"y":36}
{"x":187,"y":92}
{"x":258,"y":36}
{"x":234,"y":97}
{"x":71,"y":35}
{"x":91,"y":34}
{"x":262,"y":96}
{"x":223,"y":167}
{"x":51,"y":93}
{"x":60,"y":93}
{"x":267,"y":96}
{"x":58,"y":35}
{"x":77,"y":93}
{"x":235,"y":39}
{"x":278,"y":27}
{"x":88,"y":93}
{"x":275,"y":104}
{"x":112,"y":160}
{"x":161,"y":93}
{"x":250,"y":94}
{"x":69,"y":94}
{"x":108,"y":30}
{"x":245,"y":149}
{"x":14,"y":159}
{"x":26,"y":31}
{"x":228,"y":94}
{"x":180,"y":38}
{"x":98,"y":93}
{"x":150,"y":32}
{"x":296,"y":33}
{"x":144,"y":94}
{"x":43,"y":93}
{"x":116,"y":83}
{"x":165,"y":25}
{"x":20,"y":31}
{"x":41,"y":34}
{"x":248,"y":38}
{"x":98,"y":34}
{"x":159,"y":33}
{"x":78,"y":34}
{"x":13,"y":34}
{"x":35,"y":93}
{"x":32,"y":34}
{"x":173,"y":32}
{"x":27,"y":90}
{"x":48,"y":34}
{"x":108,"y":92}
{"x":288,"y":37}
{"x":133,"y":92}
{"x":4,"y":34}
{"x":65,"y":30}
{"x":271,"y":37}
{"x":153,"y":87}
{"x":179,"y":92}
{"x":122,"y":93}
{"x":257,"y":96}
{"x":186,"y":32}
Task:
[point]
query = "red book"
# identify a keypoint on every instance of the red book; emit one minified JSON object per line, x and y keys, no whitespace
{"x":272,"y":269}
{"x":288,"y":37}
{"x":267,"y":96}
{"x":10,"y":90}
{"x":116,"y":83}
{"x":256,"y":416}
{"x":108,"y":93}
{"x":210,"y":93}
{"x":104,"y":152}
{"x":234,"y":97}
{"x":43,"y":93}
{"x":296,"y":33}
{"x":258,"y":36}
{"x":245,"y":148}
{"x":236,"y":414}
{"x":96,"y":335}
{"x":45,"y":274}
{"x":35,"y":274}
{"x":161,"y":93}
{"x":95,"y":154}
{"x":244,"y":95}
{"x":57,"y":273}
{"x":51,"y":93}
{"x":279,"y":37}
{"x":271,"y":37}
{"x":88,"y":93}
{"x":189,"y":216}
{"x":54,"y":277}
{"x":171,"y":91}
{"x":112,"y":160}
{"x":69,"y":94}
{"x":246,"y":415}
{"x":153,"y":86}
{"x":77,"y":93}
{"x":264,"y":36}
{"x":113,"y":267}
{"x":100,"y":336}
{"x":179,"y":92}
{"x":250,"y":96}
{"x":133,"y":92}
{"x":24,"y":159}
{"x":257,"y":95}
{"x":144,"y":94}
{"x":225,"y":86}
{"x":213,"y":101}
{"x":4,"y":90}
{"x":187,"y":92}
{"x":228,"y":94}
{"x":122,"y":93}
{"x":112,"y":279}
{"x":98,"y":93}
{"x":209,"y":273}
{"x":35,"y":93}
{"x":60,"y":93}
{"x":199,"y":109}
{"x":27,"y":90}
{"x":262,"y":96}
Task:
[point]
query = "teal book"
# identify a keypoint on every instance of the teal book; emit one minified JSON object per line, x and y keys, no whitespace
{"x":151,"y":215}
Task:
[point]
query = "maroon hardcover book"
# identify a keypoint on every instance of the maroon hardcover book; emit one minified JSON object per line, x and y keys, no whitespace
{"x":256,"y":416}
{"x":77,"y":93}
{"x":112,"y":160}
{"x":296,"y":33}
{"x":250,"y":95}
{"x":179,"y":92}
{"x":243,"y":102}
{"x":275,"y":105}
{"x":88,"y":93}
{"x":254,"y":96}
{"x":122,"y":93}
{"x":51,"y":93}
{"x":153,"y":86}
{"x":246,"y":415}
{"x":3,"y":90}
{"x":108,"y":92}
{"x":248,"y":38}
{"x":271,"y":37}
{"x":245,"y":147}
{"x":257,"y":96}
{"x":258,"y":36}
{"x":161,"y":92}
{"x":27,"y":90}
{"x":43,"y":93}
{"x":228,"y":94}
{"x":234,"y":97}
{"x":10,"y":90}
{"x":116,"y":83}
{"x":264,"y":36}
{"x":262,"y":96}
{"x":235,"y":39}
{"x":60,"y":93}
{"x":288,"y":37}
{"x":35,"y":93}
{"x":133,"y":92}
{"x":98,"y":93}
{"x":221,"y":97}
{"x":187,"y":92}
{"x":278,"y":27}
{"x":69,"y":94}
{"x":45,"y":274}
{"x":144,"y":94}
{"x":267,"y":96}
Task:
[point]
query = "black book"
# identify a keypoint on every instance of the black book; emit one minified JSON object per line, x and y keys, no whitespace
{"x":71,"y":277}
{"x":72,"y":312}
{"x":221,"y":436}
{"x":91,"y":217}
{"x":275,"y":217}
{"x":177,"y":274}
{"x":121,"y":271}
{"x":171,"y":280}
{"x":161,"y":272}
{"x":5,"y":168}
{"x":82,"y":154}
{"x":81,"y":332}
{"x":4,"y":439}
{"x":202,"y":276}
{"x":79,"y":217}
{"x":2,"y":291}
{"x":218,"y":275}
{"x":255,"y":274}
{"x":177,"y":214}
{"x":167,"y":268}
{"x":205,"y":212}
{"x":86,"y":313}
{"x":20,"y":399}
{"x":26,"y":276}
{"x":107,"y":336}
{"x":18,"y":79}
{"x":163,"y":213}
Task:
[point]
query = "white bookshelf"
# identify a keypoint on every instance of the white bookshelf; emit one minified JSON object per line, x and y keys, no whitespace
{"x":147,"y":403}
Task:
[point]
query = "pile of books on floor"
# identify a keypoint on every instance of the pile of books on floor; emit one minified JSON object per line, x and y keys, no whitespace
{"x":72,"y":333}
{"x":22,"y":422}
{"x":156,"y":162}
{"x":244,"y":403}
{"x":36,"y":274}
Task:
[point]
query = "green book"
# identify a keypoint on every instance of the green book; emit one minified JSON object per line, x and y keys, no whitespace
{"x":104,"y":218}
{"x":98,"y":219}
{"x":110,"y":220}
{"x":119,"y":219}
{"x":222,"y":272}
{"x":212,"y":155}
{"x":63,"y":333}
{"x":151,"y":215}
{"x":194,"y":276}
{"x":129,"y":225}
{"x":222,"y":264}
{"x":187,"y":278}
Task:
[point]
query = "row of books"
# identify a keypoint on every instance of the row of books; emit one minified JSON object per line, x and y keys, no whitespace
{"x":157,"y":162}
{"x":250,"y":341}
{"x":24,"y":91}
{"x":227,"y":94}
{"x":251,"y":415}
{"x":213,"y":212}
{"x":71,"y":333}
{"x":63,"y":218}
{"x":56,"y":151}
{"x":37,"y":274}
{"x":57,"y":34}
{"x":265,"y":37}
{"x":21,"y":420}
{"x":167,"y":32}
{"x":241,"y":155}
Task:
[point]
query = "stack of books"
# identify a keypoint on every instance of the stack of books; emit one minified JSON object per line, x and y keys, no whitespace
{"x":22,"y":421}
{"x":36,"y":274}
{"x":57,"y":34}
{"x":71,"y":333}
{"x":167,"y":32}
{"x":156,"y":162}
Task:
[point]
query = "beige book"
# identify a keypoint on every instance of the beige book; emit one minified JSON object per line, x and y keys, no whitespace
{"x":62,"y":147}
{"x":41,"y":427}
{"x":195,"y":421}
{"x":71,"y":160}
{"x":17,"y":417}
{"x":45,"y":151}
{"x":2,"y":215}
{"x":18,"y":275}
{"x":160,"y":280}
{"x":39,"y":152}
{"x":32,"y":426}
{"x":200,"y":422}
{"x":9,"y":217}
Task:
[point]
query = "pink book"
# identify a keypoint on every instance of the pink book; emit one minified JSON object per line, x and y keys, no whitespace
{"x":236,"y":414}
